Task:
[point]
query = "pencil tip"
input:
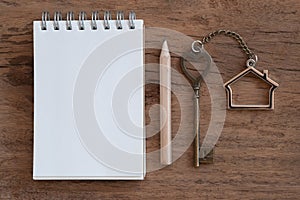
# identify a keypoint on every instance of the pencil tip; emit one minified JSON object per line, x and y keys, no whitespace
{"x":165,"y":46}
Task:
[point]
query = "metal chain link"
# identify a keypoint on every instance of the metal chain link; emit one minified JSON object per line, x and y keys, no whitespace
{"x":233,"y":35}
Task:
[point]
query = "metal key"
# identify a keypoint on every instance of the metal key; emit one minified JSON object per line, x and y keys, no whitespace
{"x":196,"y":83}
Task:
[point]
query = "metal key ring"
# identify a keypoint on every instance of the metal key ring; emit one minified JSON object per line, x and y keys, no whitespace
{"x":200,"y":46}
{"x":251,"y":62}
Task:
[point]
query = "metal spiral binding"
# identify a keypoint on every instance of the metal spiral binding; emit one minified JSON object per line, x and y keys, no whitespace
{"x":45,"y":18}
{"x":120,"y":17}
{"x":82,"y":17}
{"x":70,"y":17}
{"x":132,"y":17}
{"x":106,"y":18}
{"x":95,"y":17}
{"x":57,"y":18}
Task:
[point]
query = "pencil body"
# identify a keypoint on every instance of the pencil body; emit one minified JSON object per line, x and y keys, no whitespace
{"x":165,"y":103}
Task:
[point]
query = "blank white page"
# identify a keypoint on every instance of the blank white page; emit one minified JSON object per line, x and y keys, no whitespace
{"x":88,"y":102}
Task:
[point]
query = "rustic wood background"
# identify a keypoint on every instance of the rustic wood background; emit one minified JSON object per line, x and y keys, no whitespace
{"x":257,"y":156}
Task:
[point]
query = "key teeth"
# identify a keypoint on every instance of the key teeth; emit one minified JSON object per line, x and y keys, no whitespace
{"x":208,"y":159}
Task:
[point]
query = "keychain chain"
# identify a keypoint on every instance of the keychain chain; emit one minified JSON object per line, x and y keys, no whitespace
{"x":251,"y":56}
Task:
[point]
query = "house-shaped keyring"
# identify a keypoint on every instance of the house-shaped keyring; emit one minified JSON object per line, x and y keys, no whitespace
{"x":263,"y":76}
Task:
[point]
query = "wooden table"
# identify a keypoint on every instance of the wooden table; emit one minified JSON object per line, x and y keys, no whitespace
{"x":257,"y":155}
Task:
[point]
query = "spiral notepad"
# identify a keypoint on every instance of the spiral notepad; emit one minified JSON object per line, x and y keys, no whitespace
{"x":88,"y":97}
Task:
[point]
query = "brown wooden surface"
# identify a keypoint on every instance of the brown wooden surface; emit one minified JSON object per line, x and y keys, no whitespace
{"x":257,"y":156}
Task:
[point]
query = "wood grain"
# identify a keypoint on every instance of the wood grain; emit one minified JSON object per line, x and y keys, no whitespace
{"x":257,"y":156}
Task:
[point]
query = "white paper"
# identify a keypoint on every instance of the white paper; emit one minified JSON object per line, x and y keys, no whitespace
{"x":88,"y":102}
